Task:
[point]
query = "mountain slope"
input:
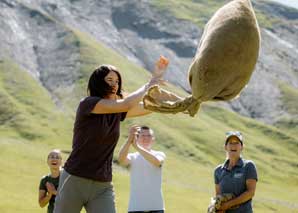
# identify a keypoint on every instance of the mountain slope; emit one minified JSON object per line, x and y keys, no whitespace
{"x":27,"y":109}
{"x":141,"y":31}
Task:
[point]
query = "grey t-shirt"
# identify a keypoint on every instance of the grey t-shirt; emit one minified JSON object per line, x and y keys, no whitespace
{"x":145,"y":183}
{"x":234,"y":181}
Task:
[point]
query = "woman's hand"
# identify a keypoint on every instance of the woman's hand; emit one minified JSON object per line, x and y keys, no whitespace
{"x":224,"y":206}
{"x":160,"y":67}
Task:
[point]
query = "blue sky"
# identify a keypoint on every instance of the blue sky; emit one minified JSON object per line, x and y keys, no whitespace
{"x":291,"y":3}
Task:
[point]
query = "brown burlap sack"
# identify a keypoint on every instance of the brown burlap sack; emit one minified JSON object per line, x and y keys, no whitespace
{"x":225,"y":59}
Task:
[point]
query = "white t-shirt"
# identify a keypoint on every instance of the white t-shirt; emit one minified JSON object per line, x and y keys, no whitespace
{"x":145,"y":183}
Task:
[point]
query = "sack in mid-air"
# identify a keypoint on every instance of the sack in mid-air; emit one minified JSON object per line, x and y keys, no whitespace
{"x":224,"y":62}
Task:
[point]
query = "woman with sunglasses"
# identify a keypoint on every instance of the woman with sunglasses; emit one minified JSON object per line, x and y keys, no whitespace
{"x":236,"y":176}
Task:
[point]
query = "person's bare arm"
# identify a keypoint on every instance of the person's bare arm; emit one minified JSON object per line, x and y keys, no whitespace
{"x":43,"y":198}
{"x":148,"y":155}
{"x":120,"y":105}
{"x":131,"y":103}
{"x":160,"y":67}
{"x":217,"y":189}
{"x":122,"y":157}
{"x":138,"y":110}
{"x":245,"y":196}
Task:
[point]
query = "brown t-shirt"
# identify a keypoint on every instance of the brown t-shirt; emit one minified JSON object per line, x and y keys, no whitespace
{"x":94,"y":140}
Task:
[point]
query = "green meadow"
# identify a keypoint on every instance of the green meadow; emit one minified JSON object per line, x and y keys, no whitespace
{"x":32,"y":123}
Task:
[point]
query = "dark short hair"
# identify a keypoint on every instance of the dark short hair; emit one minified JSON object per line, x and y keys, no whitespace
{"x":145,"y":128}
{"x":97,"y":86}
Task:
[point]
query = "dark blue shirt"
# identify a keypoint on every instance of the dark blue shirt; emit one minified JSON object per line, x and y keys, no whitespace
{"x":234,"y":181}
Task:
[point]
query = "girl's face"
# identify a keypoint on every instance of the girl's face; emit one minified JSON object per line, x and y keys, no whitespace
{"x":113,"y":81}
{"x":54,"y":160}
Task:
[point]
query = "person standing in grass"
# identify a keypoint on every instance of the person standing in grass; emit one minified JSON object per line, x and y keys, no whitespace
{"x":49,"y":183}
{"x":236,"y":176}
{"x":145,"y":171}
{"x":86,"y":180}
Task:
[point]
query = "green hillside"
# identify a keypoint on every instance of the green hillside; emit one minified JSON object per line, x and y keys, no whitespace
{"x":31,"y":124}
{"x":200,"y":11}
{"x":289,"y":99}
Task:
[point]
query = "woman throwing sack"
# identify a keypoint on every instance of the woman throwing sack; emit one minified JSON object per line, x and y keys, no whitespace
{"x":87,"y":176}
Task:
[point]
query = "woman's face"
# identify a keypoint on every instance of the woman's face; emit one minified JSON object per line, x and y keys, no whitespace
{"x":113,"y":81}
{"x":233,"y":147}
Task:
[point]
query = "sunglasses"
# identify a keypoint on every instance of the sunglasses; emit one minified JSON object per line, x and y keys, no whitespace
{"x":234,"y":143}
{"x":237,"y":133}
{"x":234,"y":133}
{"x":54,"y":157}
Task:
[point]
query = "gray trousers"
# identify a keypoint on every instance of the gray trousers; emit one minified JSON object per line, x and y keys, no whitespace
{"x":75,"y":192}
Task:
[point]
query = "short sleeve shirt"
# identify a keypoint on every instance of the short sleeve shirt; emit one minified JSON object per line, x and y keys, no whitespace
{"x":42,"y":186}
{"x":234,"y":181}
{"x":145,"y":183}
{"x":94,"y":139}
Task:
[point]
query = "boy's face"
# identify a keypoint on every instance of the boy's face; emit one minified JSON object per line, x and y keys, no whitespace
{"x":54,"y":160}
{"x":145,"y":138}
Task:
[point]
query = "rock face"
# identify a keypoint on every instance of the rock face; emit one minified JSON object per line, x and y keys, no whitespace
{"x":37,"y":35}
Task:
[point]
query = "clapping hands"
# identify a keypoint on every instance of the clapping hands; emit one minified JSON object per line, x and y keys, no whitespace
{"x":51,"y":188}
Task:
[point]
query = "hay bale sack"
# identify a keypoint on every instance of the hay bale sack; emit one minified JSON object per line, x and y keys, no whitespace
{"x":224,"y":62}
